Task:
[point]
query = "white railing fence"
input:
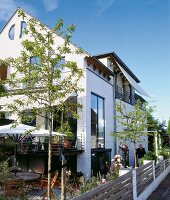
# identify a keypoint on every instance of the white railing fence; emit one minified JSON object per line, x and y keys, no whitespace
{"x":137,"y":184}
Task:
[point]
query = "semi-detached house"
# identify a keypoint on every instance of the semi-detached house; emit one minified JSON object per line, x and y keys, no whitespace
{"x":106,"y":81}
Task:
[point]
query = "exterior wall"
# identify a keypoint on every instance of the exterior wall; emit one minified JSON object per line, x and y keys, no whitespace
{"x":12,"y":47}
{"x":96,"y":85}
{"x":130,"y":145}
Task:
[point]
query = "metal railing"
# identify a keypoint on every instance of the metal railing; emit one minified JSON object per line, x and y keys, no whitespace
{"x":124,"y":95}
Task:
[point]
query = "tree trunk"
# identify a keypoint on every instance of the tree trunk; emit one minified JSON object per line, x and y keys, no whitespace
{"x":135,"y":159}
{"x":63,"y":180}
{"x":49,"y":159}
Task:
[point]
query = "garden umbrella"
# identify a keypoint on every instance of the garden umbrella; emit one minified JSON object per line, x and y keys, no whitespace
{"x":19,"y":131}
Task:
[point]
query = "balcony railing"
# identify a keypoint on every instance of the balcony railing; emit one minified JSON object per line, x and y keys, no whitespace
{"x":41,"y":147}
{"x":123,"y":95}
{"x":37,"y":147}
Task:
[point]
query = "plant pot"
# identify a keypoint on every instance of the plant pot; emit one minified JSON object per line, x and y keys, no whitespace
{"x":161,"y":158}
{"x":147,"y":161}
{"x":124,"y":171}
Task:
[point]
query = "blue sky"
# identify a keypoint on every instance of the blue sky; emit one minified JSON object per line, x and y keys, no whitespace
{"x":138,"y":31}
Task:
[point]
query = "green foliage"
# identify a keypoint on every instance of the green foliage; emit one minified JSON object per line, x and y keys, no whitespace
{"x":44,"y":82}
{"x":48,"y":81}
{"x":112,"y":175}
{"x":168,"y":128}
{"x":89,"y":184}
{"x":65,"y":128}
{"x":165,"y":152}
{"x":155,"y":125}
{"x":132,"y":124}
{"x":149,"y":156}
{"x":4,"y":170}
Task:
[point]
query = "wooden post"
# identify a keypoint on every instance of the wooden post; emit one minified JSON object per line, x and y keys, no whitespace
{"x":156,"y":143}
{"x":153,"y":167}
{"x":164,"y":167}
{"x":63,"y":179}
{"x":134,"y":183}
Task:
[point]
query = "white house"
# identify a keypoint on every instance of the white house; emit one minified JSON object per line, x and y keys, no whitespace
{"x":106,"y":80}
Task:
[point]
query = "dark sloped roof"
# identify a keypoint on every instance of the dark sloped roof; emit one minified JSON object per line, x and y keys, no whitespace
{"x":116,"y":57}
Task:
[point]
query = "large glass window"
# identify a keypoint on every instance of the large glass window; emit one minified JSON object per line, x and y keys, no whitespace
{"x":11,"y":32}
{"x":97,"y":122}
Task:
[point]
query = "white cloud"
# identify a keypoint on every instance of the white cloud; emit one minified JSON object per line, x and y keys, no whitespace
{"x":104,"y":5}
{"x":7,"y":7}
{"x":50,"y":4}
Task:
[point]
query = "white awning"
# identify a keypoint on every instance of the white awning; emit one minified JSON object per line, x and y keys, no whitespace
{"x":133,"y":82}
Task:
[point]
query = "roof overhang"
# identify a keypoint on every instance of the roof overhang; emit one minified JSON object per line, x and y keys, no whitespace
{"x":116,"y":58}
{"x":92,"y":60}
{"x":134,"y":84}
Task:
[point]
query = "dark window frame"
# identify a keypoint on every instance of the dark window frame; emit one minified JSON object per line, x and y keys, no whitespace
{"x":97,"y":134}
{"x":22,"y":27}
{"x":10,"y":34}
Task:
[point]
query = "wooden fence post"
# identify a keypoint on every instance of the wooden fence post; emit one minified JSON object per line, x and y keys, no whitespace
{"x":63,"y":179}
{"x":134,"y":183}
{"x":153,"y":167}
{"x":164,"y":164}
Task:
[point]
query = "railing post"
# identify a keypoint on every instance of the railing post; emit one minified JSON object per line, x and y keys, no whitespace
{"x":134,"y":184}
{"x":164,"y":165}
{"x":153,"y":167}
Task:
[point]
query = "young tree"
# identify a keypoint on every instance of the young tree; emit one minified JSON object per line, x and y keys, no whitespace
{"x":40,"y":81}
{"x":155,"y":128}
{"x":132,"y":124}
{"x":168,"y":127}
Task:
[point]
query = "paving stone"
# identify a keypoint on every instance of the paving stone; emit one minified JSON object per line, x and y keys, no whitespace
{"x":162,"y":192}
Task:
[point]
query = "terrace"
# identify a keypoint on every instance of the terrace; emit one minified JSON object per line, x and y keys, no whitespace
{"x":125,"y":96}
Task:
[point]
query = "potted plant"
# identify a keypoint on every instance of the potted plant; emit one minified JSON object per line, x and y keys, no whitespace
{"x":69,"y":135}
{"x":148,"y":157}
{"x":163,"y":153}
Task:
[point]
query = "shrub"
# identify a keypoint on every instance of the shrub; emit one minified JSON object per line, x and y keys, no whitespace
{"x":164,"y":152}
{"x":150,"y":156}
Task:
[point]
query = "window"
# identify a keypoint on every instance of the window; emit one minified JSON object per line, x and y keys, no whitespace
{"x":23,"y":27}
{"x":11,"y":32}
{"x":34,"y":60}
{"x":97,"y":122}
{"x":59,"y":68}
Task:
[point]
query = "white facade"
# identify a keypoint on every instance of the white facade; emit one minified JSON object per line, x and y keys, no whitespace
{"x":100,"y":78}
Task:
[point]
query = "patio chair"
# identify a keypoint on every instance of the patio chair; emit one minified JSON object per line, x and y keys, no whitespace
{"x":14,"y":187}
{"x":54,"y":182}
{"x":35,"y":183}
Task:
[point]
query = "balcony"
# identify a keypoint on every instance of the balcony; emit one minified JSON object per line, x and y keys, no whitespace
{"x":125,"y":96}
{"x":68,"y":147}
{"x":75,"y":146}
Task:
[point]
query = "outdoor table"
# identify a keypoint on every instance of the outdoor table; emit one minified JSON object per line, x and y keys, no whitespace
{"x":26,"y":176}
